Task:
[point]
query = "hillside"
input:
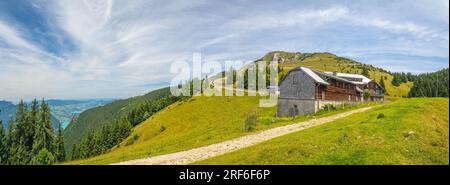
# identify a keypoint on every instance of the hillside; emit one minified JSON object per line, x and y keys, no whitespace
{"x":95,"y":118}
{"x":64,"y":110}
{"x":194,"y":123}
{"x":412,"y":131}
{"x":205,"y":120}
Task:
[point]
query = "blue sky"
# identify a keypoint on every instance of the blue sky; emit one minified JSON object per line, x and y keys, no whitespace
{"x":120,"y":48}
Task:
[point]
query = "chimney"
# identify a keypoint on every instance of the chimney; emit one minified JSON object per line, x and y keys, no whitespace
{"x":334,"y":73}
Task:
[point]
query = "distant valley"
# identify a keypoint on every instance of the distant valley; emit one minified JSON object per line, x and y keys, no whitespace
{"x":65,"y":110}
{"x":62,"y":110}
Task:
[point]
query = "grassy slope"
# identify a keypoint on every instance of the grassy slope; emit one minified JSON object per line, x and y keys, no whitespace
{"x":95,"y":118}
{"x":207,"y":120}
{"x":194,"y":123}
{"x":362,"y":139}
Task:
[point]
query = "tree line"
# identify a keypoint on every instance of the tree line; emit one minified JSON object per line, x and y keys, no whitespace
{"x":433,"y":84}
{"x":100,"y":141}
{"x":399,"y":78}
{"x":30,"y":138}
{"x":430,"y":84}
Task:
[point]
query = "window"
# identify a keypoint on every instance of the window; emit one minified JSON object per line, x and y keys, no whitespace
{"x":294,"y":80}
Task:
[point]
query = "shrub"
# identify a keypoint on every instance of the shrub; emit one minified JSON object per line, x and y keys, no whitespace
{"x":329,"y":107}
{"x":132,"y":140}
{"x":162,"y":128}
{"x":380,"y":115}
{"x":366,"y":94}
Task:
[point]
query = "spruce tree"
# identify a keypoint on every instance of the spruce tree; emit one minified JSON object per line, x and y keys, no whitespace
{"x":10,"y":141}
{"x":44,"y":157}
{"x":382,"y":83}
{"x":60,"y":153}
{"x":22,"y":140}
{"x":43,"y":137}
{"x":3,"y":146}
{"x":75,"y":152}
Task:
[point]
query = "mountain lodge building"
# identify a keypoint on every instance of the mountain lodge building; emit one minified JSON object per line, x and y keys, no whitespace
{"x":306,"y":91}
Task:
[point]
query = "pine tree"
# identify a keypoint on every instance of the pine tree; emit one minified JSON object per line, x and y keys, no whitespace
{"x":21,"y":137}
{"x":382,"y":83}
{"x":3,"y":146}
{"x":43,"y":137}
{"x":44,"y":157}
{"x":30,"y":126}
{"x":75,"y":152}
{"x":10,"y":141}
{"x":60,"y":153}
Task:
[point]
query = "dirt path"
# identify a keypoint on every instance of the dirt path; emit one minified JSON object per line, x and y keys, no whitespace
{"x":197,"y":154}
{"x":218,"y":85}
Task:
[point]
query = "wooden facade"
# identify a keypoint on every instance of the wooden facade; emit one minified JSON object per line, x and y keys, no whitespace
{"x":344,"y":88}
{"x":337,"y":91}
{"x":305,"y":91}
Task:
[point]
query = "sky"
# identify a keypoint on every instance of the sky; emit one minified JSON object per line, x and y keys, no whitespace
{"x":65,"y":49}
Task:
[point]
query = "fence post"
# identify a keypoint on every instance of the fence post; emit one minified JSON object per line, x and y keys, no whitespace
{"x":245,"y":122}
{"x":255,"y":117}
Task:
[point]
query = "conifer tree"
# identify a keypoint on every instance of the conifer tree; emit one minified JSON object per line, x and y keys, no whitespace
{"x":21,"y":136}
{"x":60,"y":153}
{"x":75,"y":152}
{"x":3,"y":145}
{"x":382,"y":83}
{"x":43,"y":137}
{"x":44,"y":157}
{"x":10,"y":141}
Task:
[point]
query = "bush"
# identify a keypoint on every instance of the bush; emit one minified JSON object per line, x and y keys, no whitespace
{"x":329,"y":107}
{"x":366,"y":94}
{"x":381,"y":115}
{"x":162,"y":128}
{"x":132,"y":140}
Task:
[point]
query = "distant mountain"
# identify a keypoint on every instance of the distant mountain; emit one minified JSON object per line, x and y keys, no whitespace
{"x":7,"y":109}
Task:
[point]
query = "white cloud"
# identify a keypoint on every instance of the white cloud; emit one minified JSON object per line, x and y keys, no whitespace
{"x":416,"y":30}
{"x":122,"y":46}
{"x":274,"y":20}
{"x":12,"y":37}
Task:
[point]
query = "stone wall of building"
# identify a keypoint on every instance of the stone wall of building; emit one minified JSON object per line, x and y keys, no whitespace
{"x":295,"y":107}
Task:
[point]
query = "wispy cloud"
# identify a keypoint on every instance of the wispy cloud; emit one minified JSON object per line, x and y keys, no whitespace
{"x":12,"y":37}
{"x":264,"y":20}
{"x":118,"y":48}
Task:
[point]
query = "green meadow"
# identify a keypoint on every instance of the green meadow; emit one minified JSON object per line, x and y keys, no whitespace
{"x":407,"y":131}
{"x":197,"y":122}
